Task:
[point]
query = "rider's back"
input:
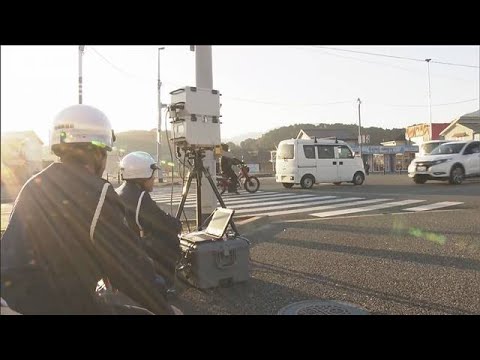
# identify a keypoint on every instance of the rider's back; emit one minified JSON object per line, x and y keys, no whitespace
{"x":49,"y":264}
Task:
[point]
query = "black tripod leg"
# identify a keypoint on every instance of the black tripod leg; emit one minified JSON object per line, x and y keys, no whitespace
{"x":184,"y":195}
{"x":219,"y":197}
{"x":199,"y":198}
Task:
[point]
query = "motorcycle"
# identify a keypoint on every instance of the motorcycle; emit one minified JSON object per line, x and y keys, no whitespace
{"x":249,"y":182}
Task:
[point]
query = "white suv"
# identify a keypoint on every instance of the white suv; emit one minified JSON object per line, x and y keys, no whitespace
{"x":451,"y":161}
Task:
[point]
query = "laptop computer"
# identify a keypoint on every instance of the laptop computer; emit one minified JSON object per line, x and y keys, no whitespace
{"x":216,"y":227}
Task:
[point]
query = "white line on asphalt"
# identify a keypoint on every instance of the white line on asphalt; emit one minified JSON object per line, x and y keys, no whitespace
{"x":358,"y":216}
{"x":438,"y":205}
{"x":366,"y":208}
{"x":177,"y":197}
{"x":306,"y":207}
{"x":285,"y":212}
{"x":243,"y":200}
{"x":277,"y":200}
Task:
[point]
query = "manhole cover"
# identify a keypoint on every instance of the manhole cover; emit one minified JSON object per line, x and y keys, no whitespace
{"x":316,"y":307}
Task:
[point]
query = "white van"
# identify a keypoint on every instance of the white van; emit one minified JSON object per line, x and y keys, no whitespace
{"x":310,"y":161}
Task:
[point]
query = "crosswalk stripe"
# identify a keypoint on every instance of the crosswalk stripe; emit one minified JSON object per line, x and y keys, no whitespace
{"x":282,"y":201}
{"x":291,"y":207}
{"x":285,"y":203}
{"x":433,"y":206}
{"x":366,"y":208}
{"x":244,"y":194}
{"x":232,"y":202}
{"x":253,"y":197}
{"x":285,"y":212}
{"x":178,"y":196}
{"x":266,"y":200}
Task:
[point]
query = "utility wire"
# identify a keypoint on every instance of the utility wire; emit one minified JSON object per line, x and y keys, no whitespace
{"x":450,"y":103}
{"x":395,"y":57}
{"x":305,"y":104}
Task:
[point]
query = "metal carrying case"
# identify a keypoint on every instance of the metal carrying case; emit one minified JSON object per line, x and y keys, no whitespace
{"x":211,"y":263}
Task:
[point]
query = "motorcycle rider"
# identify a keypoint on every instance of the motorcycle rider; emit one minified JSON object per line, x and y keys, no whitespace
{"x":226,"y":163}
{"x":158,"y":230}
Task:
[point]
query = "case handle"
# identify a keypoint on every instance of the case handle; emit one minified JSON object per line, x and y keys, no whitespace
{"x":226,"y":258}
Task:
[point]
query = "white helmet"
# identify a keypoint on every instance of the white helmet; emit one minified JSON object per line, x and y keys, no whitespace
{"x":138,"y":165}
{"x":82,"y":124}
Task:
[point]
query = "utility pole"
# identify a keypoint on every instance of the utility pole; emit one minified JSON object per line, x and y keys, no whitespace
{"x":359,"y":128}
{"x":204,"y":79}
{"x":429,"y":98}
{"x":81,"y":49}
{"x":159,"y":128}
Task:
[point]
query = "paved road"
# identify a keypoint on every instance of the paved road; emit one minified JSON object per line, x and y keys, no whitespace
{"x":381,"y":194}
{"x":388,"y":261}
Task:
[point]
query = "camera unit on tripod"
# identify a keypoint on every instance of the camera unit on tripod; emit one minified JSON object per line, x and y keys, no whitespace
{"x":195,"y":115}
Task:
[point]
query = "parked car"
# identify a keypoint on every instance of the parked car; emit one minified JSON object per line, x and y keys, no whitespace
{"x":452,"y":161}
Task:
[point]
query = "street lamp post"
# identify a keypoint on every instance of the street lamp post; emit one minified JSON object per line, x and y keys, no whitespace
{"x":159,"y":129}
{"x":429,"y":99}
{"x":359,"y":128}
{"x":81,"y":49}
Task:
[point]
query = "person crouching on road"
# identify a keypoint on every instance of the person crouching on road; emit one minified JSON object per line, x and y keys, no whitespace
{"x":158,"y":230}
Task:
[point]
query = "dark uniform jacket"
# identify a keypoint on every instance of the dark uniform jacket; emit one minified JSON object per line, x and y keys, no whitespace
{"x":50,"y":264}
{"x":161,"y":230}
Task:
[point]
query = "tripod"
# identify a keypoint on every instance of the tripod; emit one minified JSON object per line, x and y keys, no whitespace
{"x":197,"y":171}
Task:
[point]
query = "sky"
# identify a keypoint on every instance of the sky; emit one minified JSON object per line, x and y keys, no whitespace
{"x":262,"y":87}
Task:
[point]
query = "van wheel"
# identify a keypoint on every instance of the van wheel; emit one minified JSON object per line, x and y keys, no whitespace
{"x":307,"y":182}
{"x":287,"y":185}
{"x":358,"y":178}
{"x":338,"y":183}
{"x":456,"y":175}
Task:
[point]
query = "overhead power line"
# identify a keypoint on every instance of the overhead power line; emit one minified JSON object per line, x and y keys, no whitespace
{"x":278,"y":103}
{"x":395,"y":57}
{"x":423,"y":106}
{"x":108,"y":61}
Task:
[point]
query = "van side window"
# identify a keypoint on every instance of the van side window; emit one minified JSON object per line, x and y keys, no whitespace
{"x":309,"y":151}
{"x":325,"y":152}
{"x":344,"y":152}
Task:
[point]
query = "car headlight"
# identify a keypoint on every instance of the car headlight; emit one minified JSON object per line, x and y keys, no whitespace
{"x":436,"y":162}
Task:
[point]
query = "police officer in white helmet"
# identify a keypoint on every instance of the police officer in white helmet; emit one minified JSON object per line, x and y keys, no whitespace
{"x":68,"y":230}
{"x":158,"y":230}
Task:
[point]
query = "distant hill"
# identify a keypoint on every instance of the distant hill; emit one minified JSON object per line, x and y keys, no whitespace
{"x":239,"y":138}
{"x":258,"y":150}
{"x":377,"y":135}
{"x":253,"y":146}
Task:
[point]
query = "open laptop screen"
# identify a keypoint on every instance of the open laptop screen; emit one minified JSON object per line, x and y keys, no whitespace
{"x":219,"y":222}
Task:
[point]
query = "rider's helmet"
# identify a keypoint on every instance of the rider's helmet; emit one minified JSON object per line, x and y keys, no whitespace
{"x":81,"y":124}
{"x":138,"y":165}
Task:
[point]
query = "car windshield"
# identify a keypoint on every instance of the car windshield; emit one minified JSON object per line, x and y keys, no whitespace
{"x":448,"y":149}
{"x":285,"y":151}
{"x":429,"y":147}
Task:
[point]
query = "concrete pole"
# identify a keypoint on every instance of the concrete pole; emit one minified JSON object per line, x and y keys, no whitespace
{"x":429,"y":98}
{"x":159,"y":127}
{"x":204,"y":79}
{"x":359,"y":128}
{"x":81,"y":48}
